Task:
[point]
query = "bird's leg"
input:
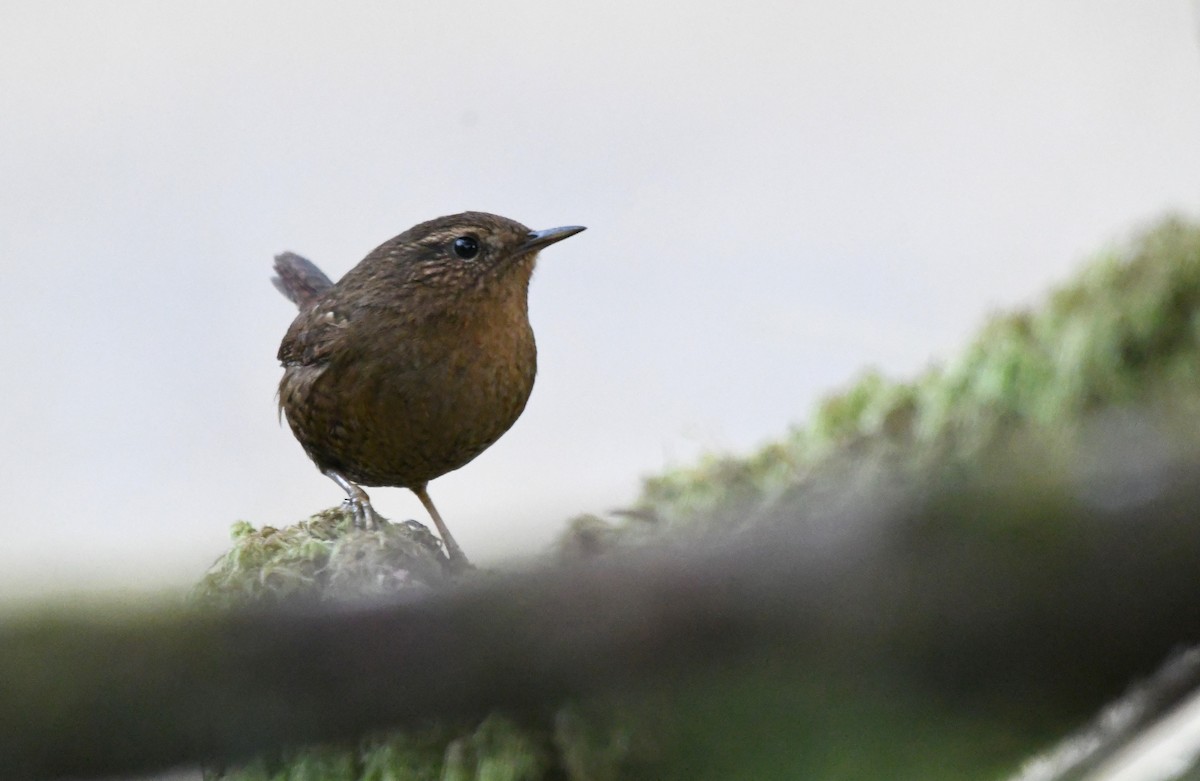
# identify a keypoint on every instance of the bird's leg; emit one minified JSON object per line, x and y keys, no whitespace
{"x":365,"y":516}
{"x":458,"y":559}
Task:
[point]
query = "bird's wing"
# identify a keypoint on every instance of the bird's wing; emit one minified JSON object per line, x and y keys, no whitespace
{"x":315,"y":336}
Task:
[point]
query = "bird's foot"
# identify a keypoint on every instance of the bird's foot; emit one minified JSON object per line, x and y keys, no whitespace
{"x":364,"y":515}
{"x":456,"y":560}
{"x":357,"y":502}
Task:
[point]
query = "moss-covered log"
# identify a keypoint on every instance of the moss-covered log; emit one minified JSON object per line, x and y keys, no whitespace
{"x":928,"y":580}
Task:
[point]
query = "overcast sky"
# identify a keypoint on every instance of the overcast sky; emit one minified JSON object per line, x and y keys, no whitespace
{"x":778,"y":195}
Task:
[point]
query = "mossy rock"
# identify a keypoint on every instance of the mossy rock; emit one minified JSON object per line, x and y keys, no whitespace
{"x":325,"y":558}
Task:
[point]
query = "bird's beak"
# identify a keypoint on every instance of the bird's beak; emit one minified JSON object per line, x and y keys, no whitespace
{"x":536,"y":240}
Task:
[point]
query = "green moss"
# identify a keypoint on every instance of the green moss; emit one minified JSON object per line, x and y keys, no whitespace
{"x":498,"y":749}
{"x":323,"y":557}
{"x":1124,"y":332}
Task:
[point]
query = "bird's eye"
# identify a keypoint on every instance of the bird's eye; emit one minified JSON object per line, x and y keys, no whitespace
{"x":466,"y":247}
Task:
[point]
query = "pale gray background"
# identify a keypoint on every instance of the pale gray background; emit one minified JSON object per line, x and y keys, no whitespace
{"x":778,"y":195}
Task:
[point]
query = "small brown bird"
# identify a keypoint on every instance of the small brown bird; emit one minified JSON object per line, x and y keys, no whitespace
{"x":417,"y":360}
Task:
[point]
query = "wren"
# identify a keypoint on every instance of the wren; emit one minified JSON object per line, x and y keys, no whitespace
{"x":417,"y":360}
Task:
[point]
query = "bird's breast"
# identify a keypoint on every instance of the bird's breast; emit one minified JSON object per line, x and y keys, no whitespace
{"x":420,"y":402}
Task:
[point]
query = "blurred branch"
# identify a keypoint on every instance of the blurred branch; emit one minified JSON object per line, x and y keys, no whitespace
{"x":1024,"y":590}
{"x":1122,"y":736}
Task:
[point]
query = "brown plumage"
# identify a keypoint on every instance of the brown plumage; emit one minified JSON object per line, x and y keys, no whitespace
{"x":417,"y":360}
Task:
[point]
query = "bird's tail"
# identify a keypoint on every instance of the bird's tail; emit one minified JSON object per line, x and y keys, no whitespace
{"x":299,"y":279}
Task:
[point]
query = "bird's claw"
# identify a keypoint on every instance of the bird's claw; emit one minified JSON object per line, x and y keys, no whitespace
{"x":363,"y":514}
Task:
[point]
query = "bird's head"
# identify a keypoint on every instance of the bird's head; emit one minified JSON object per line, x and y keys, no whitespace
{"x":464,"y":252}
